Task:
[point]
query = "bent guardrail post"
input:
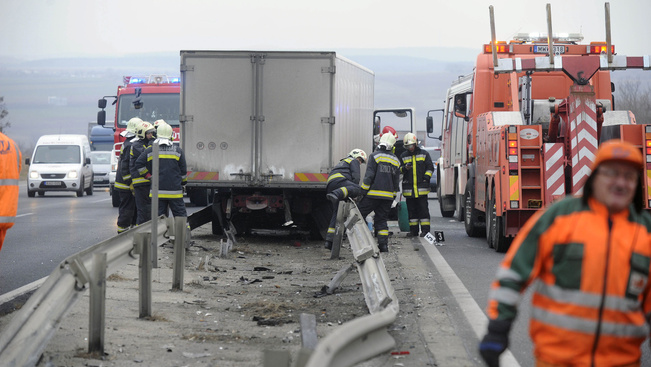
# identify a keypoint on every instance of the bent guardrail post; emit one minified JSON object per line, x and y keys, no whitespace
{"x":154,"y":203}
{"x":97,"y":311}
{"x":142,"y":244}
{"x":367,"y":336}
{"x":179,"y":252}
{"x":23,"y":340}
{"x":339,"y":229}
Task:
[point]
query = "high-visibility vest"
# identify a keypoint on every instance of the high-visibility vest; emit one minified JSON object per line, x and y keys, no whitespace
{"x":10,"y":165}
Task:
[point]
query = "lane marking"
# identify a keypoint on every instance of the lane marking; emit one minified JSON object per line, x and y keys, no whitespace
{"x":9,"y":296}
{"x":471,"y":310}
{"x":24,"y":215}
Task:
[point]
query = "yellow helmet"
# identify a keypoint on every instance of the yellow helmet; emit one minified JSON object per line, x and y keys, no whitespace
{"x":143,"y":128}
{"x":358,"y":153}
{"x":410,"y":139}
{"x":387,"y":140}
{"x":132,"y":126}
{"x":164,"y":130}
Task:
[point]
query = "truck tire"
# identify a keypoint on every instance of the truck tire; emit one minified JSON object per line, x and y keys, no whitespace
{"x":458,"y":204}
{"x":472,"y":219}
{"x":441,"y":199}
{"x":115,"y":197}
{"x":498,"y":240}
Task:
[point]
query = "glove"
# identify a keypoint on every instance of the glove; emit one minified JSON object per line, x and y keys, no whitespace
{"x":495,"y":342}
{"x":147,"y":175}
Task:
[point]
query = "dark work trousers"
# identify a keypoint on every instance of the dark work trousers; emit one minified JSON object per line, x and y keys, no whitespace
{"x":176,"y":205}
{"x":418,"y":211}
{"x":342,"y":189}
{"x":381,"y":207}
{"x":126,"y":211}
{"x":143,"y":203}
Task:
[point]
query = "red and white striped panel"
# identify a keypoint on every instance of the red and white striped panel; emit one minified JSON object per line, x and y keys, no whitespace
{"x":554,"y":174}
{"x":583,"y":135}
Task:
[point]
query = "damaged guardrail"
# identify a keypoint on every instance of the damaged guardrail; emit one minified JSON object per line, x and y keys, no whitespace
{"x":26,"y":336}
{"x":366,"y":336}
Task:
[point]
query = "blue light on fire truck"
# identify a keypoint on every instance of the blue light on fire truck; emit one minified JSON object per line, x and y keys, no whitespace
{"x":136,"y":80}
{"x":175,"y":80}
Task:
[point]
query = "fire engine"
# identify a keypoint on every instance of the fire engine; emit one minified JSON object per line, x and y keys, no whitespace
{"x":150,"y":98}
{"x":522,"y":130}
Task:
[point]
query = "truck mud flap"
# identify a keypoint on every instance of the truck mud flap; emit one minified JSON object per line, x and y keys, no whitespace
{"x":203,"y":216}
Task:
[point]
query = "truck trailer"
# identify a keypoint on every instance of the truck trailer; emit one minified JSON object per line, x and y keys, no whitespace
{"x":262,"y":129}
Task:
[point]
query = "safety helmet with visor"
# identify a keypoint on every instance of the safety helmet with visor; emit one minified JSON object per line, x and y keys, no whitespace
{"x":387,"y":140}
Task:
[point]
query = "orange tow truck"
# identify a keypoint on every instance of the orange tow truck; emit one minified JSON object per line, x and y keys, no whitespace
{"x":523,"y":129}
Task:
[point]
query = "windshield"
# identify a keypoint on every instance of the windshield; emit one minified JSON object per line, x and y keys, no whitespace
{"x":155,"y":106}
{"x":100,"y":158}
{"x":57,"y":154}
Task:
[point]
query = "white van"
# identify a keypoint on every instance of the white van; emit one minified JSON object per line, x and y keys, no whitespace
{"x":60,"y":163}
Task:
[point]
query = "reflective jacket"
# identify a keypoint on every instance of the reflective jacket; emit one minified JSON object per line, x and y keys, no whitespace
{"x":382,"y":178}
{"x":138,"y":147}
{"x":346,"y":169}
{"x":592,"y":296}
{"x":172,"y":168}
{"x":10,"y":166}
{"x":123,"y":173}
{"x":415,"y":181}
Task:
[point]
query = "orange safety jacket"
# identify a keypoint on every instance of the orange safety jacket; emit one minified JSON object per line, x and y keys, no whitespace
{"x":592,"y":297}
{"x":10,"y":166}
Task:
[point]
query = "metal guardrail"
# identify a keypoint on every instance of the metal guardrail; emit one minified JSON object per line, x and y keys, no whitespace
{"x":367,"y":336}
{"x":26,"y":336}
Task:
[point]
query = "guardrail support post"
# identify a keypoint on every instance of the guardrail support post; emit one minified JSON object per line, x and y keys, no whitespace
{"x":97,"y":312}
{"x":180,"y":224}
{"x":154,"y":204}
{"x":143,"y":241}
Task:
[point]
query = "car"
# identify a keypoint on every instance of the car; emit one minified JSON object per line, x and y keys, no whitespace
{"x":435,"y":154}
{"x":101,"y":161}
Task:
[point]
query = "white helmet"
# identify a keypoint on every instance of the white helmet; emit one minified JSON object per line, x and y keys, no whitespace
{"x":164,"y":130}
{"x":132,"y":126}
{"x":143,"y":128}
{"x":387,"y":140}
{"x":410,"y":139}
{"x":358,"y":153}
{"x":157,"y":123}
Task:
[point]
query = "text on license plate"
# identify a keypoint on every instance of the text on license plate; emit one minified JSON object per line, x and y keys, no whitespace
{"x":543,"y":49}
{"x":52,"y":183}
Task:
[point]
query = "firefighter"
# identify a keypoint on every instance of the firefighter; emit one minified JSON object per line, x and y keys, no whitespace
{"x":417,"y":169}
{"x":127,"y":210}
{"x":10,"y":166}
{"x":381,"y":182}
{"x":589,"y":258}
{"x":343,"y":182}
{"x":141,"y":185}
{"x":172,"y":174}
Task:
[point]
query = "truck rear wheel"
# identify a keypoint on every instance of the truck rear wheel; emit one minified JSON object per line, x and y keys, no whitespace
{"x":497,"y":239}
{"x":472,"y":219}
{"x":441,"y":199}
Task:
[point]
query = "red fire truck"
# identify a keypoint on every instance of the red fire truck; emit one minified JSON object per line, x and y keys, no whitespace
{"x":150,"y":98}
{"x":523,"y":129}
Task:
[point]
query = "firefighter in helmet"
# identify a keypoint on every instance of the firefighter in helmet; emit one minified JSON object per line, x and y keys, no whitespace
{"x":417,"y":169}
{"x":343,"y":182}
{"x":141,"y":185}
{"x":381,"y":183}
{"x":127,"y":210}
{"x":172,"y":174}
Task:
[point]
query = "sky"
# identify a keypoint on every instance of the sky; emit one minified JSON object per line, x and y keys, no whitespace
{"x":38,"y":29}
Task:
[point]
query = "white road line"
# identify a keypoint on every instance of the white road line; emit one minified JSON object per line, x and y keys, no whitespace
{"x":24,"y":215}
{"x":4,"y":298}
{"x":471,"y":310}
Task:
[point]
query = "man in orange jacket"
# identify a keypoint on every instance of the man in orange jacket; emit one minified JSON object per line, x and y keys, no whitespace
{"x":10,"y":165}
{"x":590,"y":257}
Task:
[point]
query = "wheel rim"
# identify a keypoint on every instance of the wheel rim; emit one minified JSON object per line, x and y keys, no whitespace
{"x":468,"y":205}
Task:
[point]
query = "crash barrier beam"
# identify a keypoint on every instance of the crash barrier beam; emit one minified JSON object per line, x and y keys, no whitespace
{"x":364,"y":337}
{"x":342,"y":208}
{"x":23,"y":340}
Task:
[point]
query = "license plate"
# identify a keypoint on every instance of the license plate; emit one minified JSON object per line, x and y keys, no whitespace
{"x":545,"y":49}
{"x":98,"y":179}
{"x":52,"y":183}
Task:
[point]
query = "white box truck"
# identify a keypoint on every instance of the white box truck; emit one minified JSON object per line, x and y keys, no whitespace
{"x":261,"y":130}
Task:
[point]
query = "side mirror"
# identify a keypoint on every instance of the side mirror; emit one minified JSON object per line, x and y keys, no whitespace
{"x":137,"y":103}
{"x":27,"y":161}
{"x":430,"y":124}
{"x":87,"y":160}
{"x":101,"y":117}
{"x":101,"y":103}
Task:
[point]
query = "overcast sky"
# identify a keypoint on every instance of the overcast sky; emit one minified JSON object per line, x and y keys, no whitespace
{"x":36,"y":29}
